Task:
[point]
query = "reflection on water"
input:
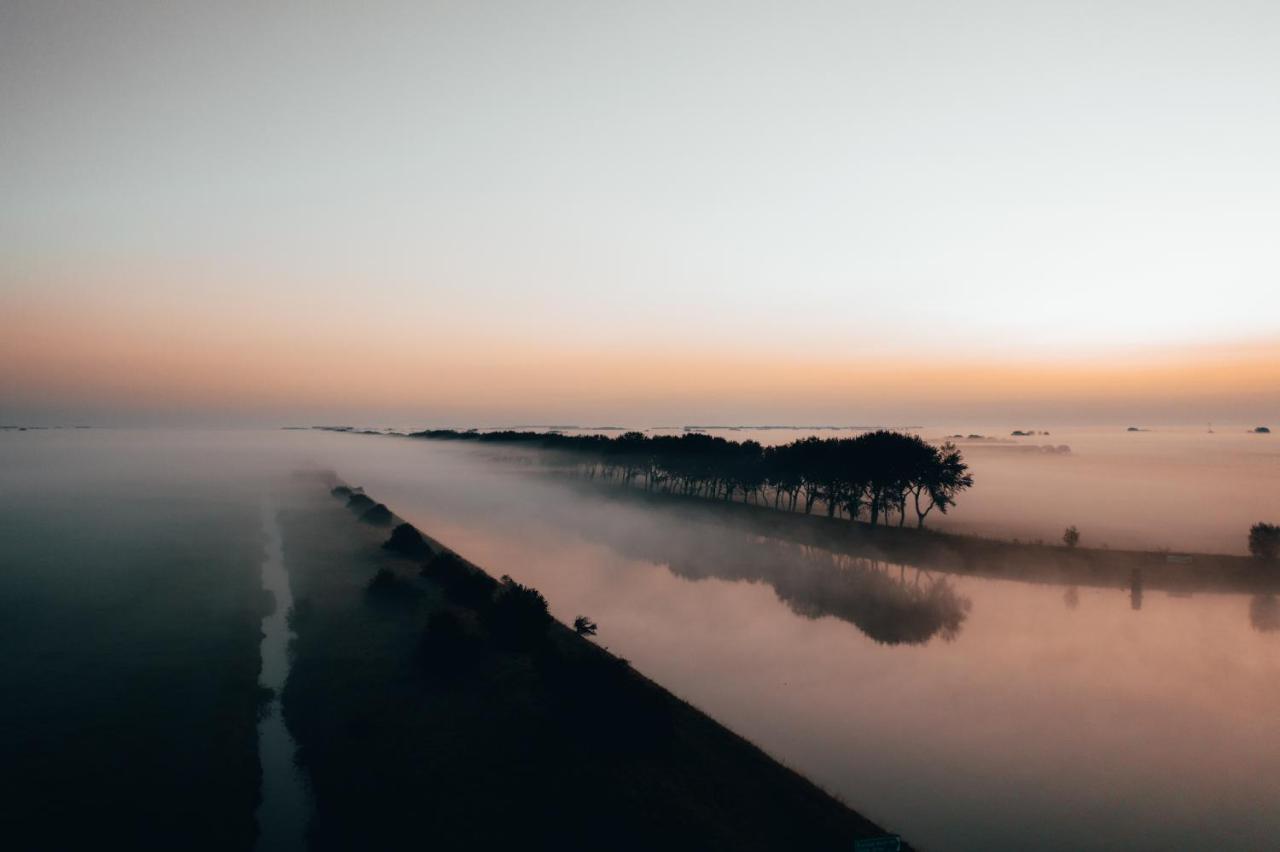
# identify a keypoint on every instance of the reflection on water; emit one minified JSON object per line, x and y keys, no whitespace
{"x":1264,"y":613}
{"x":892,"y":604}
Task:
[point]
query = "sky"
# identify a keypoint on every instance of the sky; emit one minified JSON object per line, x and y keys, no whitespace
{"x":641,"y":213}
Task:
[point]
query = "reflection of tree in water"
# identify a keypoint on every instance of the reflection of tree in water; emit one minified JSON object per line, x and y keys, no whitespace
{"x":1071,"y":597}
{"x":1264,"y":613}
{"x":892,"y":604}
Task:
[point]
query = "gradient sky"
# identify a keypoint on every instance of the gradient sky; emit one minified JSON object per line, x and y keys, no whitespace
{"x":639,"y":212}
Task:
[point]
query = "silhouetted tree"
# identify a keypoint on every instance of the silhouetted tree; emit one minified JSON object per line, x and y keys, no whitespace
{"x":1071,"y":537}
{"x":462,"y":584}
{"x":518,"y":616}
{"x":1264,"y":541}
{"x":378,"y":515}
{"x":406,"y":540}
{"x":584,"y":626}
{"x":360,"y":503}
{"x":939,"y":478}
{"x":874,"y":475}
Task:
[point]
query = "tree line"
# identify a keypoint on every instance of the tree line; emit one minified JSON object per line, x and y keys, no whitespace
{"x":881,"y":477}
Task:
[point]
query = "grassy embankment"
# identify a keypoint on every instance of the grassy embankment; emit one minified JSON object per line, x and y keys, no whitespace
{"x":481,"y":733}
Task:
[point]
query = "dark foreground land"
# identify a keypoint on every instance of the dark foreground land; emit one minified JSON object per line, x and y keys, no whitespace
{"x":428,"y":711}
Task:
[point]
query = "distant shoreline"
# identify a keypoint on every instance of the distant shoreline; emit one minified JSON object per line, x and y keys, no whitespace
{"x":964,"y":554}
{"x":968,"y":555}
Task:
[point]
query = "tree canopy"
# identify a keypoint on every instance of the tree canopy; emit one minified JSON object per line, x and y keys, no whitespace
{"x":876,"y":476}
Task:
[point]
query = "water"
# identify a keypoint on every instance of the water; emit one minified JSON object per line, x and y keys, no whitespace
{"x":283,"y":815}
{"x":983,"y":714}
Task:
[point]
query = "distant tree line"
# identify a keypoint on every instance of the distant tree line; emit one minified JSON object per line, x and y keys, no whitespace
{"x":881,"y":476}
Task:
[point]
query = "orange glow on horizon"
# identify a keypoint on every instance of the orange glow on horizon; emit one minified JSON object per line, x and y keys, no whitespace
{"x":141,"y":360}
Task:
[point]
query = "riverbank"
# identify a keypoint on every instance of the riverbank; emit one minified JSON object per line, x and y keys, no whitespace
{"x":475,"y":733}
{"x":968,"y":555}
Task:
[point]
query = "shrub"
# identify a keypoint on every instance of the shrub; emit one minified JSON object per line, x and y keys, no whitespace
{"x":360,"y":503}
{"x":1264,"y":541}
{"x":584,"y":626}
{"x":461,"y":583}
{"x":379,"y":516}
{"x":1071,"y":537}
{"x":518,"y":616}
{"x":407,"y":541}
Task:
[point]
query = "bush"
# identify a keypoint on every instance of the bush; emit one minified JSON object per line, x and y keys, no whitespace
{"x":360,"y":503}
{"x":518,"y":616}
{"x":1071,"y":537}
{"x":584,"y":626}
{"x":379,"y":516}
{"x":407,"y":541}
{"x":462,"y":584}
{"x":1264,"y":541}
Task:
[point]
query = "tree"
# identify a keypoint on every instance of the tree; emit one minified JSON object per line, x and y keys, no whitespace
{"x":871,"y":476}
{"x":940,"y":477}
{"x":584,"y":626}
{"x":1071,"y":537}
{"x":1264,"y":541}
{"x":518,"y":616}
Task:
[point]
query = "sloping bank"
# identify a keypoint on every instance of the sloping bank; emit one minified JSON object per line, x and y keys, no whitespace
{"x":434,"y":705}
